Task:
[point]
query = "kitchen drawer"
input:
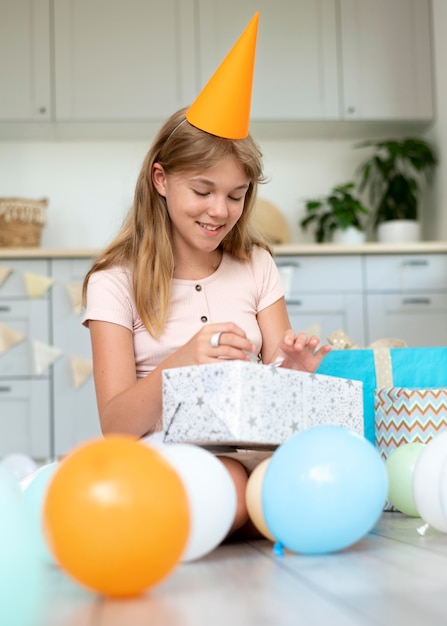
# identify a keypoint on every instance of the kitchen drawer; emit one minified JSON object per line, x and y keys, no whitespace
{"x":30,"y":317}
{"x":406,"y":272}
{"x":312,"y":274}
{"x":331,"y":312}
{"x":25,"y":418}
{"x":419,"y":319}
{"x":14,"y":286}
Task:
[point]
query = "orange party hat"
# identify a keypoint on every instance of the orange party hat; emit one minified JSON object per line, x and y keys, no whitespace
{"x":223,"y":106}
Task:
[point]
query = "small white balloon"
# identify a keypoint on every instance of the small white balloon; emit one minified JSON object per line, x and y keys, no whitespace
{"x":19,"y":465}
{"x":427,"y":476}
{"x":211,"y":495}
{"x":34,"y":493}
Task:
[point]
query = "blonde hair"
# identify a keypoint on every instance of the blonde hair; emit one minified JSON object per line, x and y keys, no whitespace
{"x":144,"y":242}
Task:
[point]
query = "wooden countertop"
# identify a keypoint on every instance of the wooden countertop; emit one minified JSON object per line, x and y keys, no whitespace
{"x":421,"y":247}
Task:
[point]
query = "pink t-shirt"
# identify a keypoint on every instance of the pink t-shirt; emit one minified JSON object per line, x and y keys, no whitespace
{"x":235,"y":292}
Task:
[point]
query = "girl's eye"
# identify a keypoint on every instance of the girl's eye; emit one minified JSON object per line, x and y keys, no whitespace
{"x":200,"y":193}
{"x":236,"y":199}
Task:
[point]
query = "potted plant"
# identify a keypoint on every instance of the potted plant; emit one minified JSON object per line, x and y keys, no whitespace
{"x":393,"y":176}
{"x":337,"y":217}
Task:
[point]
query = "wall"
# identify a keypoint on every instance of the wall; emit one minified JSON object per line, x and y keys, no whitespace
{"x":90,"y":183}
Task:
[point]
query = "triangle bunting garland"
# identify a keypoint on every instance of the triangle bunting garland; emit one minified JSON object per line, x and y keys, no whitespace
{"x":81,"y":370}
{"x":4,"y":273}
{"x":9,"y":338}
{"x":44,"y":356}
{"x":37,"y":285}
{"x":74,"y":291}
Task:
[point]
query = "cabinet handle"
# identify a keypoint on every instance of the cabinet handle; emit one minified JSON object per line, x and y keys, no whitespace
{"x":297,"y":302}
{"x":416,"y":301}
{"x":416,"y":262}
{"x":4,"y":389}
{"x":5,"y":308}
{"x":290,"y":264}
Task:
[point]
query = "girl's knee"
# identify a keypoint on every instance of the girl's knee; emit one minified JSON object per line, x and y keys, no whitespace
{"x":240,"y":478}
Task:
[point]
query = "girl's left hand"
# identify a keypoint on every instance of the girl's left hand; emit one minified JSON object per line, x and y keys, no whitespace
{"x":301,"y":352}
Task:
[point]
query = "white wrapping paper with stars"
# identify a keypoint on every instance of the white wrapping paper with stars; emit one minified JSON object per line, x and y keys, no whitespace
{"x":236,"y":403}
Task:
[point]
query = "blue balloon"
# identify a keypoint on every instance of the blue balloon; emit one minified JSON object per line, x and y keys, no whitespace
{"x":323,"y":490}
{"x":20,"y":572}
{"x":34,"y":496}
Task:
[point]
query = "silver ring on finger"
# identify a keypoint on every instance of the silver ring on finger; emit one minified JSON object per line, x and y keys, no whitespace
{"x":214,"y":341}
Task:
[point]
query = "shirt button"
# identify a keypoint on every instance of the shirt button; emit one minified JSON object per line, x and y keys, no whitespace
{"x":204,"y":318}
{"x":198,"y":287}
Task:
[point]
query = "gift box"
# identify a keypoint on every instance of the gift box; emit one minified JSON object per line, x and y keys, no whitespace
{"x":250,"y":405}
{"x":405,"y":415}
{"x":383,"y":367}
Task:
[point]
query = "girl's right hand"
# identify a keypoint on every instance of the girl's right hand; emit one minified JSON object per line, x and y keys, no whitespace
{"x":217,"y":341}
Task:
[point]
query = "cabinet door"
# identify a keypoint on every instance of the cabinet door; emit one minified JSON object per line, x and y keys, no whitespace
{"x":386,"y":59}
{"x":418,"y":319}
{"x":75,"y":413}
{"x":296,"y":57}
{"x":25,"y":315}
{"x":320,"y":274}
{"x":119,"y":61}
{"x":406,"y":272}
{"x":330,"y":313}
{"x":24,"y":60}
{"x":29,"y":318}
{"x":25,"y":418}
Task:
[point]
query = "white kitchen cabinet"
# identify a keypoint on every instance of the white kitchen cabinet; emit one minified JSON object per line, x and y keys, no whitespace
{"x":296,"y":56}
{"x":113,"y":62}
{"x":369,"y":293}
{"x":123,"y":61}
{"x":25,"y":424}
{"x":324,"y":291}
{"x":386,"y":59}
{"x":75,"y":412}
{"x":407,"y":298}
{"x":44,"y":415}
{"x":419,"y":319}
{"x":329,"y":313}
{"x":324,"y":59}
{"x":25,"y":60}
{"x":369,"y":296}
{"x":25,"y":415}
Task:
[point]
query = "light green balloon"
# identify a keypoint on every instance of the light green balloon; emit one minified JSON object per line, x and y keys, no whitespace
{"x":400,"y":467}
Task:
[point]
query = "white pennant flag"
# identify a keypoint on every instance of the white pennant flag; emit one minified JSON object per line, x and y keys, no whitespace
{"x":44,"y":356}
{"x":9,"y":338}
{"x":81,"y":370}
{"x":4,"y":273}
{"x":37,"y":285}
{"x":75,"y":292}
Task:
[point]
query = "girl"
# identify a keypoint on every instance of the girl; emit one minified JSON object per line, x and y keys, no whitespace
{"x":186,"y":282}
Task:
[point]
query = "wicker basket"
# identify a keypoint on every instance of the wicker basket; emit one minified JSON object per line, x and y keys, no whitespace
{"x":21,"y":222}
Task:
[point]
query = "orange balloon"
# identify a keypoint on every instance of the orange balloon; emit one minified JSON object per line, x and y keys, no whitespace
{"x":116,"y":516}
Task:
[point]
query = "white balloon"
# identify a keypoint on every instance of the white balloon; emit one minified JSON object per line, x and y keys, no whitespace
{"x":211,"y":495}
{"x":427,"y":475}
{"x":34,"y":489}
{"x":19,"y":465}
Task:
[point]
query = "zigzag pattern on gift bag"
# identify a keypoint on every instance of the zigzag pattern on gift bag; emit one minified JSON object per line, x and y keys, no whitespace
{"x":408,"y":415}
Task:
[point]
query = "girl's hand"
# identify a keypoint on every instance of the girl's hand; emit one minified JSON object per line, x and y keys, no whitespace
{"x":217,"y":341}
{"x":301,"y":352}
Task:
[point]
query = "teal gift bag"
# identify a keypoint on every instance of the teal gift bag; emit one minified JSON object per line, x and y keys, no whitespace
{"x":387,"y":367}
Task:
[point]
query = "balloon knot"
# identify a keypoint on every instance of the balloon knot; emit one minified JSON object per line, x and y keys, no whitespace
{"x":278,"y":549}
